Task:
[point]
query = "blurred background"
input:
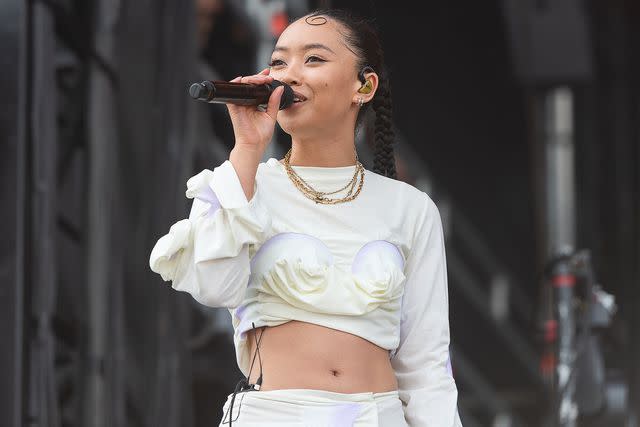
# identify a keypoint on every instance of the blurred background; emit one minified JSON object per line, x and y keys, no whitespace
{"x":520,"y":118}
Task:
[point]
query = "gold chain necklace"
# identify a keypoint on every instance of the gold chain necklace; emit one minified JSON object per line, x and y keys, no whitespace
{"x":320,"y":196}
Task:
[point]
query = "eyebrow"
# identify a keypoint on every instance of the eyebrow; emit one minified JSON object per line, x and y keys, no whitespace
{"x":305,"y":47}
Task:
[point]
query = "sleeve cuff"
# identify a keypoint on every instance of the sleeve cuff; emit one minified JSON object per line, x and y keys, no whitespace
{"x":220,"y":186}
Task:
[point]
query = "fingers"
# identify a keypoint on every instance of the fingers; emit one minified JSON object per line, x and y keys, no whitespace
{"x":257,"y":79}
{"x":261,"y":78}
{"x":274,"y":102}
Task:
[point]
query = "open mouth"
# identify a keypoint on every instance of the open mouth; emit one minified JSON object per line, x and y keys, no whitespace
{"x":298,"y":97}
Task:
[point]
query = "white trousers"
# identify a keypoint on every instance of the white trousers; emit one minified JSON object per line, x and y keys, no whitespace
{"x":314,"y":408}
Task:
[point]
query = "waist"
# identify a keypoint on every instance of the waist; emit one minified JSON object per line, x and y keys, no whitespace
{"x":316,"y":407}
{"x":301,"y":355}
{"x":306,"y":396}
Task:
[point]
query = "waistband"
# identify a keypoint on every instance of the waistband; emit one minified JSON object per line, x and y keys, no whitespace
{"x":306,"y":395}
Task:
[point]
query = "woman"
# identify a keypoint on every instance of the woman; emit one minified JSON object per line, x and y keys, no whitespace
{"x":334,"y":275}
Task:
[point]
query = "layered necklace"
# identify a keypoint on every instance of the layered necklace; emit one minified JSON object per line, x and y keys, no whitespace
{"x":321,"y":196}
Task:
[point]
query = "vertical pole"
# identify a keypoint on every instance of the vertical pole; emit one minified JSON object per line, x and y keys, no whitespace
{"x":14,"y":273}
{"x":560,"y":170}
{"x":557,"y":112}
{"x":43,"y":396}
{"x":102,"y":128}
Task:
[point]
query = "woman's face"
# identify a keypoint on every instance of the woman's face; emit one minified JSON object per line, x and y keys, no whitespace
{"x":314,"y":60}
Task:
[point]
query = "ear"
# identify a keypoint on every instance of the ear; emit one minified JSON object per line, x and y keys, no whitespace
{"x":372,"y":77}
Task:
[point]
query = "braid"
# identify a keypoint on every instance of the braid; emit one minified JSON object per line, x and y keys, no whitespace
{"x":384,"y":161}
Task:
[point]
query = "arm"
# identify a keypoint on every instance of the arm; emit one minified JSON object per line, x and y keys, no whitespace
{"x":207,"y":254}
{"x":426,"y":387}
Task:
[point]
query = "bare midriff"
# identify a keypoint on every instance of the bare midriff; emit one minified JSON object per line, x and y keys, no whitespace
{"x":305,"y":355}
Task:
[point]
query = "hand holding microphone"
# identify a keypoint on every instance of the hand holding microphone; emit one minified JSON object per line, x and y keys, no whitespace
{"x":252,"y":127}
{"x":240,"y":93}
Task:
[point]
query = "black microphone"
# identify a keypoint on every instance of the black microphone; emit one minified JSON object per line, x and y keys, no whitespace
{"x":240,"y":93}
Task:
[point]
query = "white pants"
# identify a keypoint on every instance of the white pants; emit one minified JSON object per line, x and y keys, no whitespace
{"x":314,"y":408}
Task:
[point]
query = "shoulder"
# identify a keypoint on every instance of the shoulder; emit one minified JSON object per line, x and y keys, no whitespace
{"x":414,"y":207}
{"x":401,"y":194}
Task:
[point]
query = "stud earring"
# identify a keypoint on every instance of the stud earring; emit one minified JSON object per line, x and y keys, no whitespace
{"x":360,"y":102}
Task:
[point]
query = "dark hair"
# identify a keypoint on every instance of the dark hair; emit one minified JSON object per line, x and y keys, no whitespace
{"x":362,"y":39}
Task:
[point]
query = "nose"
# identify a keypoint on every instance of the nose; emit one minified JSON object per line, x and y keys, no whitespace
{"x":289,"y":79}
{"x":291,"y":75}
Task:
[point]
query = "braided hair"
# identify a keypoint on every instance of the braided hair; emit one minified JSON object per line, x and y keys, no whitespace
{"x":362,"y":39}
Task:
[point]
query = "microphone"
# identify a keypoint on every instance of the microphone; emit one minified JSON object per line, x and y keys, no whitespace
{"x":222,"y":92}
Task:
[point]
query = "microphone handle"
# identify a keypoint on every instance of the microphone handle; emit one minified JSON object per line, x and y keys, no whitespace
{"x":222,"y":92}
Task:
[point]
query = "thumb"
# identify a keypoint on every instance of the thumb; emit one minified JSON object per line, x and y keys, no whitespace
{"x":274,"y":102}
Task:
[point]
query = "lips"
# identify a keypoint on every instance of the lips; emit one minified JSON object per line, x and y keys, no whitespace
{"x":298,"y":97}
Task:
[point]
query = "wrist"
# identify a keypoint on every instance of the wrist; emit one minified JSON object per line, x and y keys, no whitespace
{"x":246,"y":156}
{"x":245,"y":162}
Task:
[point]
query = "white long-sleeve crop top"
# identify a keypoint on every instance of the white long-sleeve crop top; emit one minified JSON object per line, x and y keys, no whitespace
{"x":374,"y":267}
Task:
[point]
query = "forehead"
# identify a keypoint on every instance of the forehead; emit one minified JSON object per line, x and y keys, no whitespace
{"x":300,"y":33}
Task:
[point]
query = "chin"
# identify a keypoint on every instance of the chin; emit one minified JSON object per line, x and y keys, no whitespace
{"x":292,"y":124}
{"x":301,"y":122}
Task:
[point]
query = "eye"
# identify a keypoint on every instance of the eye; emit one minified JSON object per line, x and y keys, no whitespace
{"x":312,"y":58}
{"x":315,"y":57}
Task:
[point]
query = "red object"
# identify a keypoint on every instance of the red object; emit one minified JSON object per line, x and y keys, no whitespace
{"x":550,"y":330}
{"x":279,"y":22}
{"x":547,"y":364}
{"x":563,"y":280}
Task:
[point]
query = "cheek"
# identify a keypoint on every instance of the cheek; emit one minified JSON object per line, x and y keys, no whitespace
{"x":333,"y":97}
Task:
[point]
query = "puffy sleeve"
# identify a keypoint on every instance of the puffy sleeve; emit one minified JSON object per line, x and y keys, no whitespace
{"x":207,"y":253}
{"x":426,"y":386}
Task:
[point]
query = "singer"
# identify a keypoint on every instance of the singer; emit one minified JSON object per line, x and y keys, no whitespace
{"x":334,"y":275}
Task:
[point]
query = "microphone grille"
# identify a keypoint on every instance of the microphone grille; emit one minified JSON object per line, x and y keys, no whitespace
{"x":199,"y":91}
{"x":287,"y":96}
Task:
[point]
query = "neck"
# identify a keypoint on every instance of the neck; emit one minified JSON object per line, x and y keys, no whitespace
{"x":323,"y":152}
